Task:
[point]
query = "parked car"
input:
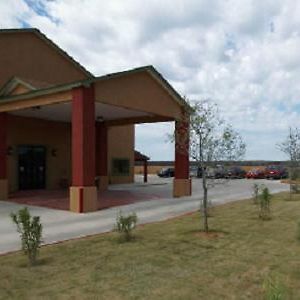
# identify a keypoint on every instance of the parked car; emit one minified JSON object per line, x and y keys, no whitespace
{"x":199,"y":172}
{"x":255,"y":174}
{"x":166,"y":172}
{"x":216,"y":172}
{"x":196,"y":171}
{"x":235,"y":172}
{"x":193,"y":171}
{"x":211,"y":172}
{"x":276,"y":172}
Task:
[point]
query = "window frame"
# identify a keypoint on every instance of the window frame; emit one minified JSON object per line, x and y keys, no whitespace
{"x":119,"y":159}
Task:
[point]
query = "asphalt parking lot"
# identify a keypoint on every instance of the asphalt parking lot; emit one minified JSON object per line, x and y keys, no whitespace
{"x":63,"y":225}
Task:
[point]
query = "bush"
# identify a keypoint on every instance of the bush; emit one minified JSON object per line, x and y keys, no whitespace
{"x":294,"y":173}
{"x":255,"y":193}
{"x":294,"y":177}
{"x":294,"y":188}
{"x":298,"y":232}
{"x":30,"y":230}
{"x":265,"y":202}
{"x":273,"y":289}
{"x":125,"y":225}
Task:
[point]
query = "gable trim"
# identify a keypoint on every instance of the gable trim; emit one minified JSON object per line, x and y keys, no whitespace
{"x":12,"y":84}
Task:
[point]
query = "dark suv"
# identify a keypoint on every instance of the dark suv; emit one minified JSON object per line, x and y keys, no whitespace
{"x":235,"y":172}
{"x":166,"y":172}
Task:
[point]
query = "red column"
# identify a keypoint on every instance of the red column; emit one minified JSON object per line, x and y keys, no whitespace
{"x":83,"y":194}
{"x":182,"y":182}
{"x":3,"y":145}
{"x":83,"y":137}
{"x":145,"y":171}
{"x":101,"y":154}
{"x":181,"y":150}
{"x":3,"y":157}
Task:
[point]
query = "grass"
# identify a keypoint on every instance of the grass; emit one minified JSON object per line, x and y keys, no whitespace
{"x":169,"y":260}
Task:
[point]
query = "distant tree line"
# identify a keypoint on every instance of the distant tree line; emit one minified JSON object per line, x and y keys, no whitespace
{"x":226,"y":163}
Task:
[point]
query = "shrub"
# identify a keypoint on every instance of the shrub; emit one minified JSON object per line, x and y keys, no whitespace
{"x":294,"y":173}
{"x":255,"y":193}
{"x":265,"y":202}
{"x":273,"y":289}
{"x":294,"y":188}
{"x":125,"y":225}
{"x":298,"y":232}
{"x":30,"y":230}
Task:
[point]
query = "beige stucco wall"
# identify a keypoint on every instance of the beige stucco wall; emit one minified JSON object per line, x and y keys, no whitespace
{"x":52,"y":135}
{"x":121,"y":145}
{"x":138,"y":91}
{"x":151,"y":169}
{"x":25,"y":55}
{"x":57,"y":135}
{"x":19,"y":89}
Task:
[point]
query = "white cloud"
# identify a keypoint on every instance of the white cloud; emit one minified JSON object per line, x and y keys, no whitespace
{"x":242,"y":54}
{"x":13,"y":12}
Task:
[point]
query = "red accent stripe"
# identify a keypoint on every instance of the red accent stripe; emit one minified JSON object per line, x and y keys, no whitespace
{"x":81,"y":200}
{"x":181,"y":150}
{"x":3,"y":145}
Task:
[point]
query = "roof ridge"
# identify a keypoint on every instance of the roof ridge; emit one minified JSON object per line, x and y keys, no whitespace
{"x":27,"y":29}
{"x":50,"y":43}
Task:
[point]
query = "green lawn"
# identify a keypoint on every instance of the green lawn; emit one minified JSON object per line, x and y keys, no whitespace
{"x":169,"y":260}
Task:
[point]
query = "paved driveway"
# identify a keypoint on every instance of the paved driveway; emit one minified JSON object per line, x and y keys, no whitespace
{"x":64,"y":225}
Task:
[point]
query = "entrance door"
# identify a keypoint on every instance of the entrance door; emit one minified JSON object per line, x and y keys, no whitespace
{"x":32,"y":167}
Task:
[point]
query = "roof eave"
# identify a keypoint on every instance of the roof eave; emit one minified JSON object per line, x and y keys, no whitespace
{"x":46,"y":91}
{"x":180,"y":100}
{"x":87,"y":82}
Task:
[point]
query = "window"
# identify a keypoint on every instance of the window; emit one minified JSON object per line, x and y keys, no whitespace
{"x":120,"y":167}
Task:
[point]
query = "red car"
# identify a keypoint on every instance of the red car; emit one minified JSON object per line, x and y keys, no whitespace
{"x":255,"y":174}
{"x":276,"y":172}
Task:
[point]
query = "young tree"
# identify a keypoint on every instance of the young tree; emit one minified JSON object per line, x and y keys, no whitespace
{"x":30,"y":229}
{"x":211,"y":140}
{"x":265,"y":203}
{"x":255,"y":193}
{"x":291,"y":147}
{"x":125,"y":225}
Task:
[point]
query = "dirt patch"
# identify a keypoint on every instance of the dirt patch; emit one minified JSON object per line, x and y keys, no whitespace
{"x":288,"y":181}
{"x":211,"y":235}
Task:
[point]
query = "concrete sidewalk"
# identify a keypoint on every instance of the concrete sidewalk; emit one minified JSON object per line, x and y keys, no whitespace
{"x":63,"y":225}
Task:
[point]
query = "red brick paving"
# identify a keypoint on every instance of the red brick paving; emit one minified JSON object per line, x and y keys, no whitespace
{"x":59,"y":199}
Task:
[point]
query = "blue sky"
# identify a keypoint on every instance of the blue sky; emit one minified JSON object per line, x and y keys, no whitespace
{"x":244,"y":55}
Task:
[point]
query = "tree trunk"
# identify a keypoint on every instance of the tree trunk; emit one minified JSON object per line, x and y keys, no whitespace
{"x":291,"y":177}
{"x":32,"y":257}
{"x":205,"y":212}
